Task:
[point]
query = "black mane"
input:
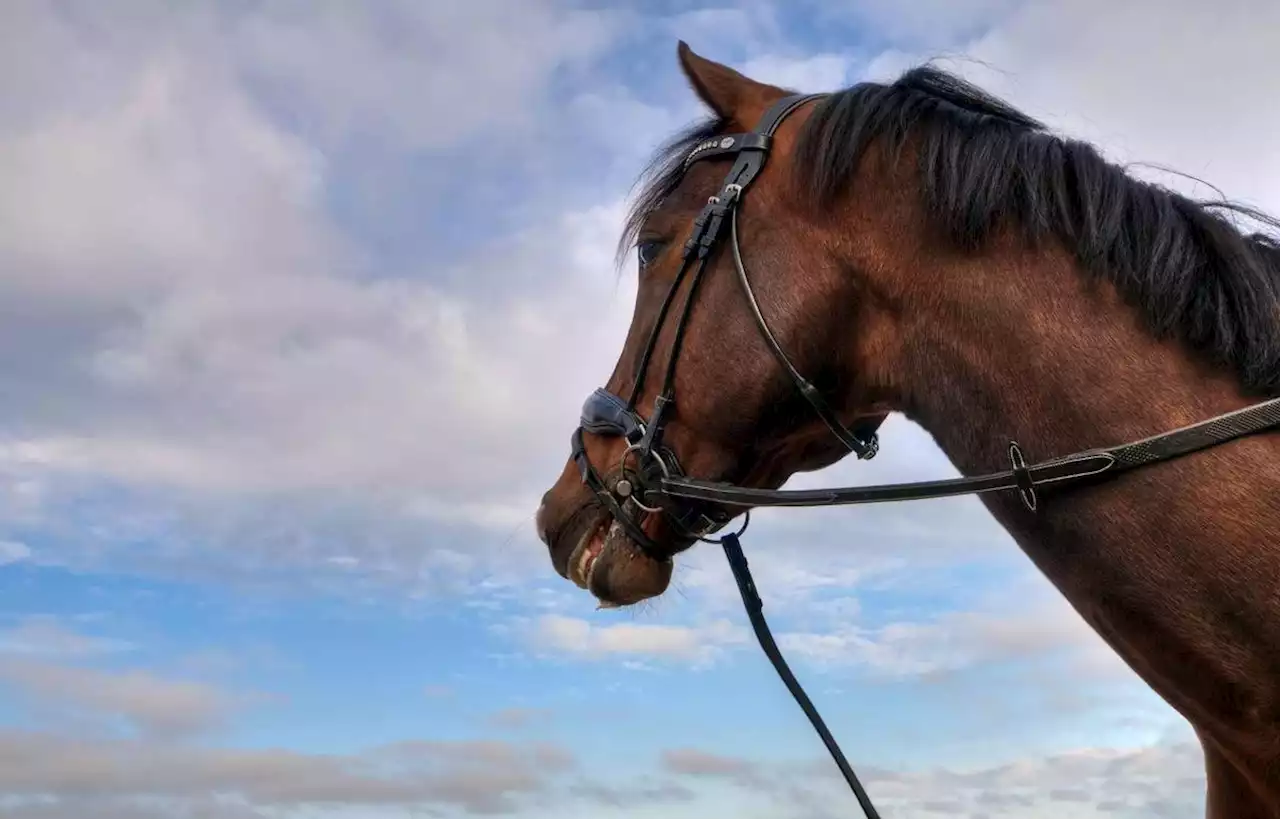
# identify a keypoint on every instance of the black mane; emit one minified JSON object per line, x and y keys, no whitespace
{"x":983,"y":163}
{"x":1182,"y":263}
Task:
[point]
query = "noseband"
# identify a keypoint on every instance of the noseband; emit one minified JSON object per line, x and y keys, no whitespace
{"x":646,"y":465}
{"x":649,"y":480}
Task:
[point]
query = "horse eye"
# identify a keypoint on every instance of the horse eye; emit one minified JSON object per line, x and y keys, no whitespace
{"x":648,"y":251}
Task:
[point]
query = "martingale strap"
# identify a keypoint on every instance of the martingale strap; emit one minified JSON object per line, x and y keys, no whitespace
{"x":764,"y":636}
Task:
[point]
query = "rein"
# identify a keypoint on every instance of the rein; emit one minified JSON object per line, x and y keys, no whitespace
{"x":1069,"y":469}
{"x":657,"y":485}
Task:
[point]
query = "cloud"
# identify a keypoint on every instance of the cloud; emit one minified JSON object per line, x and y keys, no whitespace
{"x":217,"y":368}
{"x":1132,"y":89}
{"x":584,"y":639}
{"x":955,"y":640}
{"x":148,"y":704}
{"x":213,"y":342}
{"x":728,"y":31}
{"x":76,"y":807}
{"x":225,"y":348}
{"x":476,"y":777}
{"x":819,"y":72}
{"x":631,"y":796}
{"x":517,"y":718}
{"x":1164,"y":779}
{"x":1160,"y":780}
{"x":692,"y":762}
{"x":43,"y":661}
{"x":425,"y":75}
{"x":11,"y":551}
{"x":233,"y":373}
{"x":47,"y":636}
{"x":387,"y":374}
{"x":51,"y":776}
{"x":419,"y":76}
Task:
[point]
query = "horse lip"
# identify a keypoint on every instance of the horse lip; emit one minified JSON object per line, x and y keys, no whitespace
{"x":580,"y":565}
{"x":563,"y":546}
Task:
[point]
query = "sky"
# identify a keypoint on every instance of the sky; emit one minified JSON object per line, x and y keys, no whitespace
{"x":298,"y":304}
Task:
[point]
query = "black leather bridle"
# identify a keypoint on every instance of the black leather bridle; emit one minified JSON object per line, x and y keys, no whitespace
{"x":649,"y":479}
{"x":640,"y":487}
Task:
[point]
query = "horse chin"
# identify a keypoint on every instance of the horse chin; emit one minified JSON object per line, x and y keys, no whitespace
{"x":616,"y":571}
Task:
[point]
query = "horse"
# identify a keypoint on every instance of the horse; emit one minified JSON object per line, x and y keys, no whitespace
{"x":923,"y":247}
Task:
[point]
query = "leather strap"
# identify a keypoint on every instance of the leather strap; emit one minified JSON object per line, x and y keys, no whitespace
{"x":1069,"y":469}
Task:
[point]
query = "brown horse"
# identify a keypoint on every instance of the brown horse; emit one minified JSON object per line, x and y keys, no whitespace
{"x":920,"y":247}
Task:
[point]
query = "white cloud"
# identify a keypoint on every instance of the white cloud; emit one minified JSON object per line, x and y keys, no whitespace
{"x":52,"y":777}
{"x":207,"y":332}
{"x":516,"y":718}
{"x":94,"y":775}
{"x":1159,"y":780}
{"x":819,"y":72}
{"x":152,"y":705}
{"x":214,"y":333}
{"x":745,"y":27}
{"x":956,"y":640}
{"x":693,"y":762}
{"x":1145,"y":92}
{"x":182,"y":183}
{"x":11,"y":551}
{"x":46,"y":636}
{"x":584,"y":639}
{"x":423,"y":74}
{"x":419,"y":76}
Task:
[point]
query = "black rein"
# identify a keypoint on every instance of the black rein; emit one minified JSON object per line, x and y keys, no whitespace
{"x":1074,"y":468}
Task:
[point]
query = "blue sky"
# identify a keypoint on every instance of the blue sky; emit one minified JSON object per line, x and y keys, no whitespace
{"x":300,"y":303}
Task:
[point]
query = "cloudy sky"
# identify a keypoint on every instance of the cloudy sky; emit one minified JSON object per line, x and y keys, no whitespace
{"x":298,"y":302}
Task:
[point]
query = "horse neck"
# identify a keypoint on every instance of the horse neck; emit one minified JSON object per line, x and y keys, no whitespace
{"x":1018,"y":343}
{"x":1175,"y":564}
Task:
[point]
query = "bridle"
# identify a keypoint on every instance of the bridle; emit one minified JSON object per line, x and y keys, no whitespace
{"x":607,"y":414}
{"x":649,"y":479}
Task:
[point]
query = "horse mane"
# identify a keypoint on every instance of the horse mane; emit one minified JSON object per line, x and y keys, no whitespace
{"x":983,"y":164}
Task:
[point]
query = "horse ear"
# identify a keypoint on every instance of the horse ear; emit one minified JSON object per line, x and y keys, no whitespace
{"x":724,"y":90}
